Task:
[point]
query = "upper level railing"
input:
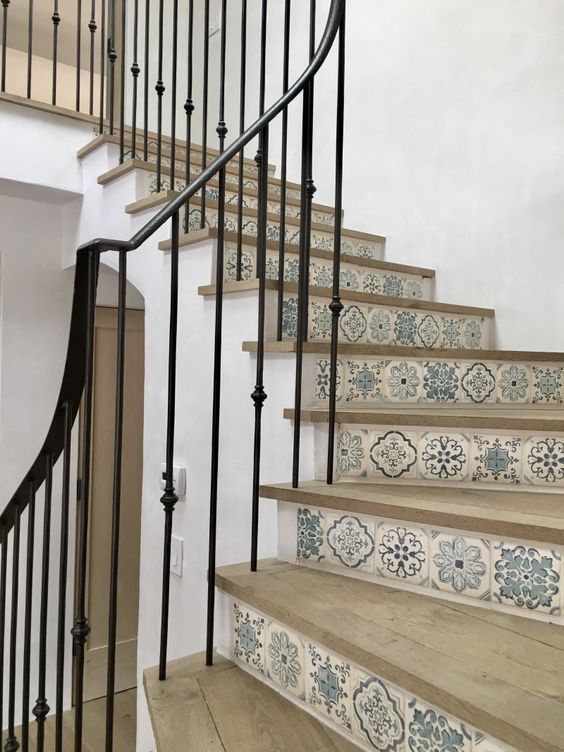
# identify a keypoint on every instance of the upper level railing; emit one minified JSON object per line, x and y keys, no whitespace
{"x":77,"y":383}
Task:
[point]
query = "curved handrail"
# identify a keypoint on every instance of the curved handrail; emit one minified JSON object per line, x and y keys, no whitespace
{"x":74,"y":372}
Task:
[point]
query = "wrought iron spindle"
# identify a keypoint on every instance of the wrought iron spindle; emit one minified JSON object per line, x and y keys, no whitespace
{"x":41,"y":708}
{"x":169,"y":497}
{"x":122,"y":84}
{"x":78,"y":51}
{"x":336,"y":306}
{"x":56,"y":19}
{"x":205,"y":84}
{"x":262,"y":77}
{"x":146,"y":80}
{"x":12,"y":744}
{"x":30,"y":543}
{"x":5,"y":6}
{"x":102,"y":65}
{"x":173,"y":94}
{"x":3,"y":570}
{"x":81,"y":627}
{"x":189,"y":108}
{"x":29,"y":47}
{"x":283,"y":172}
{"x":92,"y":26}
{"x":63,"y":569}
{"x":112,"y":57}
{"x":259,"y":395}
{"x":135,"y":75}
{"x":116,"y":503}
{"x":242,"y":95}
{"x":160,"y":89}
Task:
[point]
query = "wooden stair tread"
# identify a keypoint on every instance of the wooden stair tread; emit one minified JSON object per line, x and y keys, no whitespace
{"x":505,"y":513}
{"x":394,"y":351}
{"x":467,"y":416}
{"x":223,"y":709}
{"x":499,"y":673}
{"x":316,"y":291}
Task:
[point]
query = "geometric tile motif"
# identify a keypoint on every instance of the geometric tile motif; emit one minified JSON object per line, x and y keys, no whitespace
{"x":429,"y":331}
{"x":496,"y":459}
{"x":403,"y":553}
{"x":350,"y":453}
{"x":513,"y":383}
{"x":309,"y":534}
{"x":526,"y":577}
{"x":444,"y":457}
{"x":394,"y":454}
{"x":403,"y":381}
{"x":249,"y":637}
{"x":547,"y":384}
{"x":350,"y":542}
{"x":461,"y":565}
{"x":430,"y":730}
{"x":364,"y":380}
{"x":323,"y":379}
{"x":543,"y":460}
{"x":328,"y":685}
{"x":441,"y":382}
{"x":478,"y":382}
{"x":285,"y":659}
{"x":378,"y":714}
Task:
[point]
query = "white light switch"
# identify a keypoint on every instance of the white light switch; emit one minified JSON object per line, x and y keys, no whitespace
{"x":176,"y":556}
{"x":178,"y":479}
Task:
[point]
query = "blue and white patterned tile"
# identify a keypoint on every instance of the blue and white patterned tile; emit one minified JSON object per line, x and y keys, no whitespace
{"x":247,"y":265}
{"x":451,"y":331}
{"x":430,"y":730}
{"x":496,"y":459}
{"x":350,"y":541}
{"x":413,"y":288}
{"x":377,"y":713}
{"x":392,"y":285}
{"x":543,"y":461}
{"x":364,"y":381}
{"x":402,"y":553}
{"x":380,"y":326}
{"x":372,"y":283}
{"x":290,"y":317}
{"x":393,"y":454}
{"x":323,"y":379}
{"x":285,"y":659}
{"x":472,"y":333}
{"x":352,"y":452}
{"x":429,"y":330}
{"x":353,"y":324}
{"x":349,"y":278}
{"x":328,"y":685}
{"x":513,"y":383}
{"x":478,"y":383}
{"x":310,"y":534}
{"x":444,"y":456}
{"x":547,"y":384}
{"x":321,"y":274}
{"x":460,"y":564}
{"x":441,"y":381}
{"x":405,"y":328}
{"x":249,"y":637}
{"x":526,"y":577}
{"x":319,"y":320}
{"x":403,"y":381}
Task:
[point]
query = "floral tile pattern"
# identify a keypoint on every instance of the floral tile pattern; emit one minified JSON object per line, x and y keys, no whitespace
{"x":310,"y":535}
{"x":403,"y":381}
{"x":285,"y":659}
{"x":351,"y":453}
{"x":394,"y":454}
{"x":402,"y":553}
{"x":543,"y":460}
{"x":364,"y":380}
{"x":350,"y":542}
{"x":496,"y":458}
{"x":444,"y":456}
{"x":441,"y":382}
{"x":249,"y":638}
{"x":328,"y":685}
{"x":460,"y":564}
{"x":378,"y":713}
{"x":429,"y":730}
{"x":526,"y":577}
{"x":547,"y":384}
{"x":323,"y":379}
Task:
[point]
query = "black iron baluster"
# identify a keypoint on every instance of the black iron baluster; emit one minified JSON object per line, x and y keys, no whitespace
{"x":216,"y":407}
{"x":112,"y":57}
{"x":5,"y":6}
{"x":3,"y":568}
{"x":169,"y":497}
{"x":29,"y":47}
{"x":135,"y":75}
{"x":242,"y":95}
{"x":122,"y":84}
{"x":30,"y":543}
{"x":173,"y":95}
{"x":56,"y":18}
{"x":81,"y":627}
{"x":102,"y":65}
{"x":146,"y":81}
{"x":12,"y":744}
{"x":189,"y":108}
{"x":259,"y":395}
{"x":262,"y":77}
{"x":283,"y":172}
{"x":336,"y":305}
{"x":78,"y":51}
{"x":116,"y":505}
{"x":63,"y":568}
{"x":160,"y":89}
{"x":206,"y":64}
{"x":306,"y":198}
{"x":41,"y":708}
{"x":92,"y":28}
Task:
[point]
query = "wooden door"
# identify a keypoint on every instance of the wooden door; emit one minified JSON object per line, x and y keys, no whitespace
{"x":98,"y":575}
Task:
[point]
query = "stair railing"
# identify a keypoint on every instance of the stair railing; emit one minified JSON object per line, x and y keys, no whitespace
{"x":77,"y":392}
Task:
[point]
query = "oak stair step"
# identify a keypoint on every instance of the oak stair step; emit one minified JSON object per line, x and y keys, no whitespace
{"x":498,"y":674}
{"x":221,"y":708}
{"x":502,"y":513}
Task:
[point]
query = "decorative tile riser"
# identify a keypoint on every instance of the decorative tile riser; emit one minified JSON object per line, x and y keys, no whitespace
{"x":368,"y":710}
{"x":352,"y":276}
{"x":379,"y":325}
{"x":319,"y":239}
{"x":512,"y":576}
{"x":492,"y":459}
{"x":446,"y":382}
{"x":180,"y":166}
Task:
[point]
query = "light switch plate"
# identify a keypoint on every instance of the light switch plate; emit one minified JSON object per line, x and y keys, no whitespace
{"x":178,"y":479}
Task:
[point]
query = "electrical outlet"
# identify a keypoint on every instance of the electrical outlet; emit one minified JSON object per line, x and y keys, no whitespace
{"x":176,"y":555}
{"x":178,"y":479}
